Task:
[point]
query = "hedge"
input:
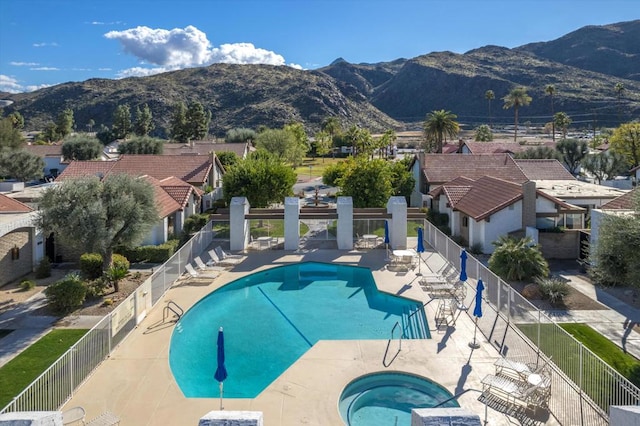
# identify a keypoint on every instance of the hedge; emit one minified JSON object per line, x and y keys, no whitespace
{"x":151,"y":254}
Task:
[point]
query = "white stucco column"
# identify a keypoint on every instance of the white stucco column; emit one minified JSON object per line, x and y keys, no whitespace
{"x":238,"y":225}
{"x":345,"y":223}
{"x":291,"y":223}
{"x":397,"y":208}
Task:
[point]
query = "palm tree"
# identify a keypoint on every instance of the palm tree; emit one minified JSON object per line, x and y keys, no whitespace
{"x":515,"y":99}
{"x":619,"y":88}
{"x":489,"y":96}
{"x":551,"y":90}
{"x":332,"y":126}
{"x":440,"y":124}
{"x":517,"y":260}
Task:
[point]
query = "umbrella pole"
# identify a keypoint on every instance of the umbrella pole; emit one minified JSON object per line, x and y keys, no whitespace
{"x":221,"y":393}
{"x":474,"y":344}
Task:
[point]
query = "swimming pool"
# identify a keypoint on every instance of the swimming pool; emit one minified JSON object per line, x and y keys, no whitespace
{"x":387,"y":398}
{"x":273,"y":317}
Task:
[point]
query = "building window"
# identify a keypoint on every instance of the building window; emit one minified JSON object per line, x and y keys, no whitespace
{"x":465,"y":221}
{"x":15,"y":253}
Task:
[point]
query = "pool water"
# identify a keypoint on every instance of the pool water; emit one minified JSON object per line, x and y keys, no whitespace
{"x":273,"y":317}
{"x":383,"y":399}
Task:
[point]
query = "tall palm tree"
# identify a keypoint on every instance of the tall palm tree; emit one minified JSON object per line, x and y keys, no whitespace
{"x":619,"y":88}
{"x":332,"y":126}
{"x":440,"y":124}
{"x":517,"y":98}
{"x":551,"y":90}
{"x":489,"y":96}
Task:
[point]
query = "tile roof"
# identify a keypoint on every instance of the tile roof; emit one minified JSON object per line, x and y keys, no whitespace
{"x":504,"y":146}
{"x":164,"y":201}
{"x":203,"y":148}
{"x":623,"y":202}
{"x":544,"y":170}
{"x":178,"y":189}
{"x":9,"y":205}
{"x":482,"y":197}
{"x":193,"y":169}
{"x":441,"y":168}
{"x":45,"y":150}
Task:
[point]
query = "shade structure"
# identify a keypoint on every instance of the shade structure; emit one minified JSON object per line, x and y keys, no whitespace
{"x":420,"y":247}
{"x":477,"y":312}
{"x":221,"y":371}
{"x":463,"y":265}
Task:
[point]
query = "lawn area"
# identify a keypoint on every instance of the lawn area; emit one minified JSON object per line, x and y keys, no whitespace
{"x":18,"y":373}
{"x":318,"y":165}
{"x":269,"y":228}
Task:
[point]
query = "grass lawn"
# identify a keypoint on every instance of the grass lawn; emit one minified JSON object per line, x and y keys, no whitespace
{"x":18,"y":373}
{"x":4,"y":333}
{"x":318,"y":165}
{"x":269,"y":228}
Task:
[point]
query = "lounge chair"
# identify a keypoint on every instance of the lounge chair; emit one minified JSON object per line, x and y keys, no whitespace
{"x":204,"y":267}
{"x":226,"y":258}
{"x":105,"y":419}
{"x":518,"y":370}
{"x":74,"y":415}
{"x":517,"y":392}
{"x":195,"y":274}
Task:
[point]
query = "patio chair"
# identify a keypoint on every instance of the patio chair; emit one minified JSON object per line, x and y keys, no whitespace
{"x":203,"y":267}
{"x":73,"y":416}
{"x":516,"y":392}
{"x":105,"y":419}
{"x":226,"y":258}
{"x":519,"y":370}
{"x":195,"y":274}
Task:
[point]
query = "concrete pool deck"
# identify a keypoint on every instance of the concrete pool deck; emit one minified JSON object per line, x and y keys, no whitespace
{"x":136,"y":383}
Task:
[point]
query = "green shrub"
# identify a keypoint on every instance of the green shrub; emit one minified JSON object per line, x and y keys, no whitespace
{"x":476,"y":248}
{"x":96,"y":288}
{"x":121,"y":262}
{"x":194,"y":223}
{"x":152,"y":254}
{"x":553,"y":289}
{"x":26,"y":285}
{"x":91,"y":265}
{"x":67,"y":294}
{"x":43,"y":270}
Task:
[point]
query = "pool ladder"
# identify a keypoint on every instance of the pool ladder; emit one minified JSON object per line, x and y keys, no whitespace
{"x":172,"y":307}
{"x":403,"y":328}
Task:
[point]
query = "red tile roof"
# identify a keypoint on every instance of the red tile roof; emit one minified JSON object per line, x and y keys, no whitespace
{"x":203,"y":148}
{"x":164,"y":202}
{"x":544,"y":170}
{"x":178,"y":189}
{"x":441,"y":168}
{"x":9,"y":205}
{"x":193,"y":169}
{"x":623,"y":202}
{"x":497,"y":147}
{"x":45,"y":150}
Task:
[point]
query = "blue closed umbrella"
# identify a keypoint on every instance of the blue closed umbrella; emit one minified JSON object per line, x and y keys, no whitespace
{"x":386,"y":232}
{"x":463,"y":265}
{"x":221,"y":371}
{"x":477,"y":312}
{"x":420,"y":248}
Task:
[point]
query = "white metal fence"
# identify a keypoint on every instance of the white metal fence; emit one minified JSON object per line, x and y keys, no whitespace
{"x":583,"y":385}
{"x":56,"y":385}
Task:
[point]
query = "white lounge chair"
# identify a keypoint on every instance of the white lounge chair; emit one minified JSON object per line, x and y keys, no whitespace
{"x":73,"y":416}
{"x":226,"y":258}
{"x":517,"y":392}
{"x":195,"y":274}
{"x":204,"y":267}
{"x":105,"y":419}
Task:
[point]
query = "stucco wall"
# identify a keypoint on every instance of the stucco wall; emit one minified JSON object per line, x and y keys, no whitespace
{"x":560,"y":245}
{"x":11,"y":269}
{"x":501,"y":223}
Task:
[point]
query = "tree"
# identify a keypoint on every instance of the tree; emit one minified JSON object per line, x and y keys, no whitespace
{"x":360,"y":140}
{"x":518,"y":260}
{"x":197,"y":121}
{"x":96,"y":216}
{"x":177,"y":125}
{"x":21,"y":165}
{"x":551,"y":90}
{"x":604,"y":165}
{"x":143,"y":121}
{"x":121,"y":127}
{"x":539,"y":153}
{"x":626,"y":141}
{"x":483,"y":133}
{"x":17,"y":120}
{"x":81,"y":148}
{"x":10,"y":136}
{"x":489,"y":96}
{"x":228,"y":158}
{"x":619,"y":89}
{"x":438,"y":125}
{"x":402,"y":181}
{"x":386,"y":141}
{"x":50,"y":133}
{"x":301,"y":147}
{"x":572,"y":152}
{"x":517,"y":98}
{"x":64,"y":123}
{"x":141,"y":145}
{"x":334,"y":172}
{"x":333,"y":127}
{"x":616,"y":255}
{"x":240,"y":135}
{"x":90,"y":125}
{"x":105,"y":135}
{"x":263,"y":179}
{"x":368,"y":183}
{"x":322,"y":143}
{"x":563,"y":121}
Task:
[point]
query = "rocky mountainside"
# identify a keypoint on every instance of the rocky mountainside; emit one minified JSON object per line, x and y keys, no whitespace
{"x":584,"y":67}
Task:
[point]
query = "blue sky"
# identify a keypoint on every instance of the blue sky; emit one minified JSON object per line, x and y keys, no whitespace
{"x":47,"y":42}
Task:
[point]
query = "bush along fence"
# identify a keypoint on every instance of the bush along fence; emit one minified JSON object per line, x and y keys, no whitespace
{"x":56,"y":385}
{"x":583,"y":386}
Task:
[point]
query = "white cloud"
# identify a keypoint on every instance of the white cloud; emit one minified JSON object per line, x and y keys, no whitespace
{"x":45,"y":69}
{"x":24,"y":64}
{"x":188,"y":47}
{"x":54,"y":44}
{"x":11,"y":85}
{"x":104,"y":69}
